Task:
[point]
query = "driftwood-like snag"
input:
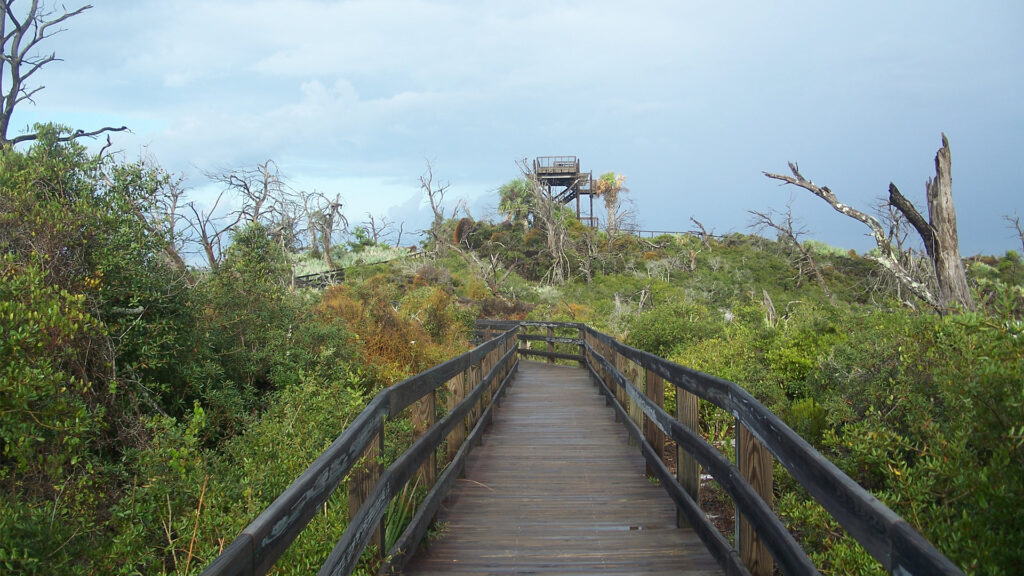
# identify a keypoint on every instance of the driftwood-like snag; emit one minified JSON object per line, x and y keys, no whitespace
{"x":887,"y":258}
{"x":938,"y":234}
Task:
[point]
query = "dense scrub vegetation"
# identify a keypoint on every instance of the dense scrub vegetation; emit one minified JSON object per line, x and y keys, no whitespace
{"x":149,"y":412}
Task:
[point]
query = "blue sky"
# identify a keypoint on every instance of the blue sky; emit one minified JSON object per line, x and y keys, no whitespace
{"x":690,"y":100}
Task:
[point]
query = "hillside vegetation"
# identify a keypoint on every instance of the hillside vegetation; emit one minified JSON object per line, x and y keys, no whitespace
{"x":150,"y":411}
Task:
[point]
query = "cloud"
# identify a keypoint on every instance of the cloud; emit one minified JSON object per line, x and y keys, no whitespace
{"x":691,"y":99}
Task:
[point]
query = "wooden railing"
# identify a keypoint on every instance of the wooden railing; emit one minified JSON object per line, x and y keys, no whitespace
{"x":633,"y":383}
{"x":321,"y":280}
{"x":556,"y":164}
{"x":469,"y":384}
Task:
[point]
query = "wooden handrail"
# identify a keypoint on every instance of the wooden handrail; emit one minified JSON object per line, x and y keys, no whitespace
{"x":781,"y":543}
{"x":886,"y":536}
{"x":260,"y":544}
{"x":883,"y":533}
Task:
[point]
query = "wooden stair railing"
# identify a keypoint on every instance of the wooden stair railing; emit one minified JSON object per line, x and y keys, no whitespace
{"x":475,"y":381}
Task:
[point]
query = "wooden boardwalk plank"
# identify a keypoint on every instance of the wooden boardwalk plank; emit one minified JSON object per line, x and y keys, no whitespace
{"x":555,"y":489}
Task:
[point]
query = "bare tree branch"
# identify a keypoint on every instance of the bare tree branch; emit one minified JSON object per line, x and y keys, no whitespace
{"x":908,"y":210}
{"x":435,"y":195}
{"x":1015,"y":223}
{"x":379,"y":227}
{"x":20,"y":61}
{"x":73,"y":136}
{"x":212,"y":230}
{"x":703,"y":232}
{"x":887,"y":258}
{"x":792,"y":237}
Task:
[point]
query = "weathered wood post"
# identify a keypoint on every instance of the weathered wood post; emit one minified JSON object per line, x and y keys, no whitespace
{"x":486,"y":365}
{"x":609,"y":378}
{"x":687,"y":468}
{"x":606,"y":375}
{"x":655,"y":390}
{"x":583,"y":349}
{"x":458,"y":434}
{"x":589,"y":340}
{"x":755,"y":463}
{"x":362,"y":480}
{"x":423,"y":415}
{"x":471,"y":381}
{"x":519,"y":343}
{"x":502,"y":372}
{"x":551,"y":345}
{"x":634,"y":374}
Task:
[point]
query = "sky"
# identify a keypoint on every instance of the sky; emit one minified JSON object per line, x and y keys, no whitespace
{"x":691,"y":101}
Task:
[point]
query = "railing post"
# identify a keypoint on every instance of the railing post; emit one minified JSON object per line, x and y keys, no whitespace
{"x":613,"y":391}
{"x":610,"y":381}
{"x":687,"y":468}
{"x":583,"y":349}
{"x":755,"y":463}
{"x":471,"y":381}
{"x":633,"y":373}
{"x":458,"y":434}
{"x":361,"y":482}
{"x":489,"y":362}
{"x":655,"y":390}
{"x":423,"y":417}
{"x":551,"y":345}
{"x":502,"y":372}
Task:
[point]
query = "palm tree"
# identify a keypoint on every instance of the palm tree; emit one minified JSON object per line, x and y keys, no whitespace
{"x":516,"y":202}
{"x":608,"y":186}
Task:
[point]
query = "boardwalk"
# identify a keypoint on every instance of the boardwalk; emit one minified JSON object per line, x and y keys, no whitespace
{"x":556,"y":489}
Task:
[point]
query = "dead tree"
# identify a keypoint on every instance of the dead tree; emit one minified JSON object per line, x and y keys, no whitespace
{"x":939,"y":233}
{"x":435,"y":195}
{"x":791,"y":236}
{"x":379,"y":227}
{"x":164,"y":216}
{"x":326,"y":219}
{"x":701,"y":232}
{"x":550,"y":218}
{"x":21,"y":59}
{"x":258,"y":189}
{"x":1015,"y":223}
{"x":210,"y":230}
